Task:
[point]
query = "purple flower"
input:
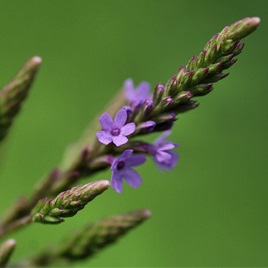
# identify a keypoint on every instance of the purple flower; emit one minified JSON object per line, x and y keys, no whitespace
{"x":162,"y":153}
{"x":139,"y":95}
{"x":122,"y":169}
{"x":115,"y":131}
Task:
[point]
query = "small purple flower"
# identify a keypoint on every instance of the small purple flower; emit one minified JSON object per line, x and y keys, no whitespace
{"x":162,"y":153}
{"x":115,"y":131}
{"x":122,"y":169}
{"x":139,"y":95}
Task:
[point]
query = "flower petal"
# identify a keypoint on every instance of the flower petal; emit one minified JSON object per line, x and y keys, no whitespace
{"x":128,"y":129}
{"x":136,"y":160}
{"x":119,"y":140}
{"x":168,"y":165}
{"x":114,"y":164}
{"x":168,"y":146}
{"x":120,"y":118}
{"x":162,"y":156}
{"x":125,"y":155}
{"x":129,"y":89}
{"x":142,"y":92}
{"x":117,"y":182}
{"x":132,"y":178}
{"x":161,"y":139}
{"x":174,"y":159}
{"x":104,"y":137}
{"x":106,"y":121}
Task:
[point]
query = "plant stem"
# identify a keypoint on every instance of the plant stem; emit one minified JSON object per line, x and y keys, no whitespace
{"x":14,"y":225}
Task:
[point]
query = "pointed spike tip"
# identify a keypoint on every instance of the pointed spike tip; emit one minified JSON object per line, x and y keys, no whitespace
{"x":11,"y":242}
{"x":6,"y":250}
{"x":255,"y":21}
{"x":104,"y":183}
{"x":243,"y":28}
{"x":146,"y":213}
{"x":37,"y":59}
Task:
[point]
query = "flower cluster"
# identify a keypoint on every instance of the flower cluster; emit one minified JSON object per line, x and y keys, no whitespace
{"x":116,"y":131}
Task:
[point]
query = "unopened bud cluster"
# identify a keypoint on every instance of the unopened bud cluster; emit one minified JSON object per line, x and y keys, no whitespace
{"x":67,"y":203}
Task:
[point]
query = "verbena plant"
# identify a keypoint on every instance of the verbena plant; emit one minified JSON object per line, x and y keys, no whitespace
{"x":115,"y":143}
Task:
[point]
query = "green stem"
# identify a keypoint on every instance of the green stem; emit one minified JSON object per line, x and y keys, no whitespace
{"x":14,"y":225}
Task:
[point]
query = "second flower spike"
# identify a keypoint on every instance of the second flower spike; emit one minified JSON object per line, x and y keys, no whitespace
{"x":115,"y":130}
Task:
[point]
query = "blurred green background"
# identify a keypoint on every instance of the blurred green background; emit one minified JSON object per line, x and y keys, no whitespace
{"x":211,"y":210}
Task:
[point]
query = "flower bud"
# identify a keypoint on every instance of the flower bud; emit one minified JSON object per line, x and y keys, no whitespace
{"x":215,"y":77}
{"x":158,"y":94}
{"x":186,"y":106}
{"x":167,"y":102}
{"x":202,"y":90}
{"x":165,"y":118}
{"x":146,"y":127}
{"x":147,"y":108}
{"x":172,"y":86}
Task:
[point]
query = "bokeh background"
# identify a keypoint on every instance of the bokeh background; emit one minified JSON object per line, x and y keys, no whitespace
{"x":211,"y":210}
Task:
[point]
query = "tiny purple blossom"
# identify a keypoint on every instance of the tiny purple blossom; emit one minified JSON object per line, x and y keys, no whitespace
{"x":139,"y":95}
{"x":115,"y":130}
{"x":122,"y":169}
{"x":162,"y":152}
